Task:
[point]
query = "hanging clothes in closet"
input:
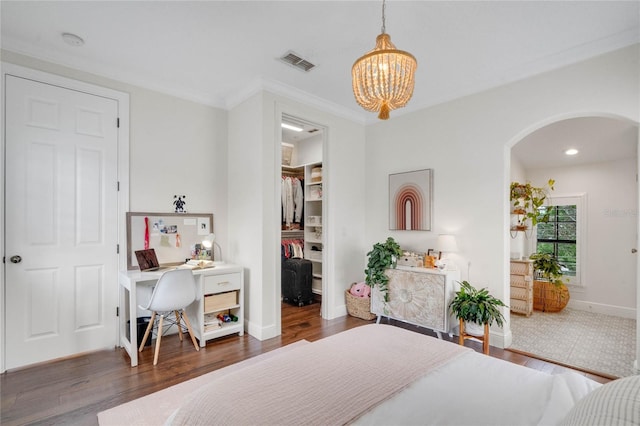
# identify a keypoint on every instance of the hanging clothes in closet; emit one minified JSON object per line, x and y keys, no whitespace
{"x":292,"y":202}
{"x":292,"y":248}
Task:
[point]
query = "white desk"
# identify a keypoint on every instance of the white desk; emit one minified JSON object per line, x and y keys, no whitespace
{"x":210,"y":281}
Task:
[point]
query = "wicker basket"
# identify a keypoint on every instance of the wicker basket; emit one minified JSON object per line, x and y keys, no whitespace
{"x":359,"y":307}
{"x":548,"y":297}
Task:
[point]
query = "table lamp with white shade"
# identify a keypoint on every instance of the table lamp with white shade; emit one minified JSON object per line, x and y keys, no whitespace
{"x":446,"y":244}
{"x":210,"y":243}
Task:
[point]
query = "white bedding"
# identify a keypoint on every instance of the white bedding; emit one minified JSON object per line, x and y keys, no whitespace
{"x":471,"y":389}
{"x":475,"y":389}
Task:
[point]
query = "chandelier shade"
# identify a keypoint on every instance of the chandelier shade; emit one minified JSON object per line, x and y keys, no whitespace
{"x":383,"y":78}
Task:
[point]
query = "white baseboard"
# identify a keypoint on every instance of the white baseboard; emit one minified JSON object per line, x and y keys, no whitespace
{"x":339,"y":311}
{"x":502,"y":340}
{"x":600,"y":308}
{"x":260,"y":333}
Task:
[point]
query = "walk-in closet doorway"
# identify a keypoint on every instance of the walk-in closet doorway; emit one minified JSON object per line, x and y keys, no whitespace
{"x":303,"y":224}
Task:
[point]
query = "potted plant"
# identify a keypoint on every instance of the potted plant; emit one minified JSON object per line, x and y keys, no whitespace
{"x":381,"y":257}
{"x":526,"y":201}
{"x":476,"y":306}
{"x":550,"y":294}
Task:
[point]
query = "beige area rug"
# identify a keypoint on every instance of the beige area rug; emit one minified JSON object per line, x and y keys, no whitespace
{"x":595,"y":342}
{"x":155,"y":409}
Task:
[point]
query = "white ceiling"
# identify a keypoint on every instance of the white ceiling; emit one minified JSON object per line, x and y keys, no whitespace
{"x":216,"y":52}
{"x":597,"y":139}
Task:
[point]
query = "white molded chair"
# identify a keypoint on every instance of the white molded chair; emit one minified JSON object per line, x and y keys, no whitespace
{"x":174,"y":291}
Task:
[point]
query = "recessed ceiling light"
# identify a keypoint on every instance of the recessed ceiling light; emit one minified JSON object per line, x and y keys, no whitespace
{"x":290,"y":127}
{"x":72,"y":39}
{"x":571,"y":151}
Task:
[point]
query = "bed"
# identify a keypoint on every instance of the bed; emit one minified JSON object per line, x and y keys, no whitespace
{"x":379,"y":375}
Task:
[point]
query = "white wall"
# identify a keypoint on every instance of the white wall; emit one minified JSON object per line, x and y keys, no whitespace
{"x":467,"y":142}
{"x":309,"y":150}
{"x":612,"y":197}
{"x":246,"y":210}
{"x":254,"y":204}
{"x":518,"y":239}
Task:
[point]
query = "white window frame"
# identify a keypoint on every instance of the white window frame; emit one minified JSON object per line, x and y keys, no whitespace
{"x":580,"y":201}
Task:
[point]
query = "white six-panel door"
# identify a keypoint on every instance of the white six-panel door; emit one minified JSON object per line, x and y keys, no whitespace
{"x":61,"y":221}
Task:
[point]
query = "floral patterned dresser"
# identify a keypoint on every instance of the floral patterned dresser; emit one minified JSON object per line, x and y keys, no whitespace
{"x":418,"y":296}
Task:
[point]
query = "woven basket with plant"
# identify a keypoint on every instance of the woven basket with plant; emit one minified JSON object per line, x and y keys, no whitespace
{"x":550,"y":294}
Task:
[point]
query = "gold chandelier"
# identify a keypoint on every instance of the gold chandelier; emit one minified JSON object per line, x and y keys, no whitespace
{"x":383,"y":78}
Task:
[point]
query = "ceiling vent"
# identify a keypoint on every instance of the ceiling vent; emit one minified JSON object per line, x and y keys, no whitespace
{"x":293,"y":59}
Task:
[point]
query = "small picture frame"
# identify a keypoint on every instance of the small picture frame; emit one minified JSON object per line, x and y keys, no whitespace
{"x":434,"y":253}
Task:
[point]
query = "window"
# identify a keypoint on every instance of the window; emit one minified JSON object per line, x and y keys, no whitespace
{"x":562,"y":236}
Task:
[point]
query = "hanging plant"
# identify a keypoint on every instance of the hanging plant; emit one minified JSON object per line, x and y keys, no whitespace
{"x":527,"y":200}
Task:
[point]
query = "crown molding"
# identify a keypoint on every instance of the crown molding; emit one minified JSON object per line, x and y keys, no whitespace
{"x":292,"y":93}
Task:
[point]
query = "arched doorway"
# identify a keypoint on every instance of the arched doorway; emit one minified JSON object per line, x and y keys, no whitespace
{"x":604,"y":171}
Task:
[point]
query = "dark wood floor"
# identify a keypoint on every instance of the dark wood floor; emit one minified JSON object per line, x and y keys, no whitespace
{"x":74,"y":390}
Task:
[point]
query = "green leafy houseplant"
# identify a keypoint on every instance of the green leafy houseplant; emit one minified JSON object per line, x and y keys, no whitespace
{"x":381,"y":257}
{"x":550,"y":294}
{"x":549,"y":267}
{"x":527,"y":200}
{"x":477,"y":306}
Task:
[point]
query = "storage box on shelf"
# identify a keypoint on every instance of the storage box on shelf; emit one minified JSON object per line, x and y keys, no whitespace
{"x":222,"y":301}
{"x":314,"y":255}
{"x":314,"y":220}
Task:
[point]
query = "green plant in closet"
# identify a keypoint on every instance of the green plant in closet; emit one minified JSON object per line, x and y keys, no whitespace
{"x":382,"y":256}
{"x":527,"y":201}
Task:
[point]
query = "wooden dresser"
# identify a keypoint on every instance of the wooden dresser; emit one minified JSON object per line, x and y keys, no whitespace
{"x":521,"y":287}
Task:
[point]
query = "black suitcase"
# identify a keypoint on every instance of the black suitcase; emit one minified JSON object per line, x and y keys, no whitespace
{"x":296,"y":281}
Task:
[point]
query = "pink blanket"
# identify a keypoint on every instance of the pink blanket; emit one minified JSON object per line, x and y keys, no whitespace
{"x":332,"y":381}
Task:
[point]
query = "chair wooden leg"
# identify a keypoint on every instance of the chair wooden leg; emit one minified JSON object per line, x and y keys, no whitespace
{"x":157,"y":352}
{"x":461,"y":337}
{"x":147,"y":331}
{"x":178,"y":324}
{"x":193,"y":337}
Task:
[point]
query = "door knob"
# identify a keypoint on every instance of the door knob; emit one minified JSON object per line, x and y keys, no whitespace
{"x":634,"y":250}
{"x":15,"y":259}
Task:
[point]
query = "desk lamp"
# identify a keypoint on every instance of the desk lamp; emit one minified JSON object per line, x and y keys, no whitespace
{"x":210,"y":243}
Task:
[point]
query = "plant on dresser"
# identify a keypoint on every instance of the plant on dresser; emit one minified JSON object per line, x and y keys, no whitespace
{"x":381,"y":257}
